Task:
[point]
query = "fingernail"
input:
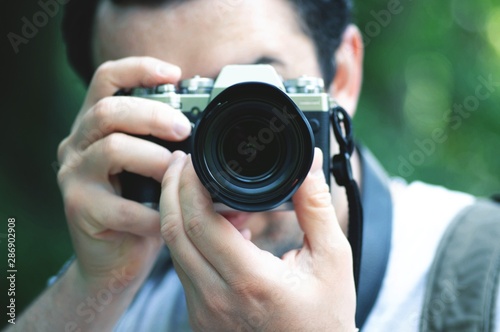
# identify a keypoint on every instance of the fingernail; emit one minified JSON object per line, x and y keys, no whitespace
{"x":247,"y":234}
{"x":316,"y":169}
{"x":182,"y":126}
{"x":317,"y":165}
{"x":317,"y":173}
{"x":177,"y":156}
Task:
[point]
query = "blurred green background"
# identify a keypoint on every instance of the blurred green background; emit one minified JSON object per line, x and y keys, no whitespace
{"x":420,"y":113}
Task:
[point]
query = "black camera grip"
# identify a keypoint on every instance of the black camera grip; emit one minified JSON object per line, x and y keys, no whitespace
{"x":143,"y":189}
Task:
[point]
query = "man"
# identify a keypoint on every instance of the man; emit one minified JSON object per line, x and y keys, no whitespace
{"x":223,"y":267}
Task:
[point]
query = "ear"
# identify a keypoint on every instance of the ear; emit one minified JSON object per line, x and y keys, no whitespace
{"x":347,"y":82}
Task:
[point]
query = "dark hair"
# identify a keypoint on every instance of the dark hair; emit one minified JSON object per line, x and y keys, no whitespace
{"x":323,"y":21}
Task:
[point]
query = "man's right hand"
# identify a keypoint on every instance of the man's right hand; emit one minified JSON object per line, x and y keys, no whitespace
{"x":116,"y":240}
{"x":111,"y":235}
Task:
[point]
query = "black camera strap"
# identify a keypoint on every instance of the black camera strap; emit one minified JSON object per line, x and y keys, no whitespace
{"x":342,"y":171}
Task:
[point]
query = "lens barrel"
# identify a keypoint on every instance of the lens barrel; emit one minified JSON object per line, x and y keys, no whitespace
{"x":252,"y":147}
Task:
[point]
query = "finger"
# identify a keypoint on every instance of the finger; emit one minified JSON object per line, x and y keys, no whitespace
{"x":216,"y":239}
{"x":316,"y":214}
{"x":185,"y":253}
{"x":120,"y":152}
{"x":132,"y":115}
{"x":112,"y":212}
{"x":187,"y":284}
{"x":129,"y":73}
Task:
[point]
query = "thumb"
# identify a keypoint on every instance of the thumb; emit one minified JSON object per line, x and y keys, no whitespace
{"x":315,"y":211}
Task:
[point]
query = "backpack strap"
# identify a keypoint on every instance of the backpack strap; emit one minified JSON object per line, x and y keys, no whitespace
{"x":462,"y":286}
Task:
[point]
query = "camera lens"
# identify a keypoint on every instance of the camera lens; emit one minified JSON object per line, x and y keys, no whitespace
{"x":252,"y":147}
{"x":250,"y":144}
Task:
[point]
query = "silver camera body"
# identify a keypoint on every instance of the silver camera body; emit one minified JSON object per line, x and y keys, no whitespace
{"x":253,"y":135}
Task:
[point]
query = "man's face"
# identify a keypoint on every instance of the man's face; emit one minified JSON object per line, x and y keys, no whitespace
{"x":201,"y":37}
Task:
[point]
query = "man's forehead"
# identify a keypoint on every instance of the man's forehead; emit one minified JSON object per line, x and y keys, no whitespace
{"x":201,"y":36}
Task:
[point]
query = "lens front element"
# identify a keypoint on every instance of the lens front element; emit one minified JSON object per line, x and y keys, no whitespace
{"x":252,"y":147}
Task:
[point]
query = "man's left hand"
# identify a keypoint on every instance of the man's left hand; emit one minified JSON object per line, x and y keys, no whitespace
{"x":232,"y":285}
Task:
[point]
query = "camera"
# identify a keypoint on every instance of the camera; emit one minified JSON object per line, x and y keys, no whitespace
{"x":253,"y":136}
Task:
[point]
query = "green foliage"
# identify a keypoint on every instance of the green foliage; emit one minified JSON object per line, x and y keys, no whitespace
{"x":425,"y":67}
{"x":421,"y":60}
